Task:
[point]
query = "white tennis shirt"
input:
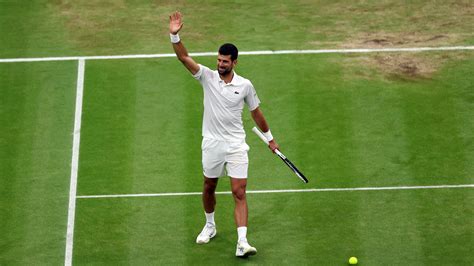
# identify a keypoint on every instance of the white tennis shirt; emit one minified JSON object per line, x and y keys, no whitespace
{"x":223,"y":104}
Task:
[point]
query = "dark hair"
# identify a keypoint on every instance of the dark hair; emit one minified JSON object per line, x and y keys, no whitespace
{"x":229,"y":49}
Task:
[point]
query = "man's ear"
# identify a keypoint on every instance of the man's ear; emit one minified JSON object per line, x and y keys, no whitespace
{"x":235,"y":62}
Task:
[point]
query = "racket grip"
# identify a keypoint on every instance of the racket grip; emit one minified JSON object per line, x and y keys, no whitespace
{"x":278,"y":152}
{"x":260,"y":134}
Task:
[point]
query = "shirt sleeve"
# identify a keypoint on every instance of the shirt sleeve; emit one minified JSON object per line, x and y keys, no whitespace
{"x":203,"y":73}
{"x":251,"y":99}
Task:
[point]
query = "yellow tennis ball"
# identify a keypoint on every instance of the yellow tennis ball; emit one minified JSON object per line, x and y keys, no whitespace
{"x":352,"y":260}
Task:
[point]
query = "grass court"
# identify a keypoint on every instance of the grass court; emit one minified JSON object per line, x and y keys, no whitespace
{"x":347,"y":120}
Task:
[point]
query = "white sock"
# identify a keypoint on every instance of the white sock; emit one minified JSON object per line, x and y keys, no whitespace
{"x":242,"y":232}
{"x":210,"y":218}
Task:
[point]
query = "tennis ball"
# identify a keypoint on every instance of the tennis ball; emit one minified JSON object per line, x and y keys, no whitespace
{"x":352,"y":260}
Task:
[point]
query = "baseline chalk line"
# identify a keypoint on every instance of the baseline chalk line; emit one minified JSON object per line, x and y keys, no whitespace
{"x":264,"y":52}
{"x":277,"y":191}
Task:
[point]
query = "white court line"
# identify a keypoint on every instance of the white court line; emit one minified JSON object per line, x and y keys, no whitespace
{"x":265,"y":52}
{"x":74,"y":163}
{"x":278,"y":191}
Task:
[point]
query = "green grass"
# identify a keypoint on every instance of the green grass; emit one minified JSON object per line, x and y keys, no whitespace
{"x":37,"y":113}
{"x":98,"y":27}
{"x":393,"y":228}
{"x":372,"y":132}
{"x":357,"y":120}
{"x":141,"y":134}
{"x":144,"y":116}
{"x":126,"y":121}
{"x":31,"y":30}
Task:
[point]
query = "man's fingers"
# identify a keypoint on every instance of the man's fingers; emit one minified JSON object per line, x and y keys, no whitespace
{"x":173,"y":16}
{"x":177,"y":15}
{"x":273,"y":146}
{"x":176,"y":22}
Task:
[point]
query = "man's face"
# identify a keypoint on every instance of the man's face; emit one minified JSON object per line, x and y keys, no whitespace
{"x":225,"y":65}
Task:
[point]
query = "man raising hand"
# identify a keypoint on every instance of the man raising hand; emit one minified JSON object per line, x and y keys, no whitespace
{"x":224,"y":150}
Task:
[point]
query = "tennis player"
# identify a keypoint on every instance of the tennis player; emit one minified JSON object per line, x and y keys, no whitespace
{"x":223,"y":145}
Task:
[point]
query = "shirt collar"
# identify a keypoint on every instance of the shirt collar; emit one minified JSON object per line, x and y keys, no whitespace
{"x":236,"y":80}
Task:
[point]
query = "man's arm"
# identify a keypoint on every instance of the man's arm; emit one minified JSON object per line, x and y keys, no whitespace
{"x":176,"y":23}
{"x":259,"y":119}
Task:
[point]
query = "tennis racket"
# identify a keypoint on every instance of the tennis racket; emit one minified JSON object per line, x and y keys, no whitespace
{"x":282,"y":157}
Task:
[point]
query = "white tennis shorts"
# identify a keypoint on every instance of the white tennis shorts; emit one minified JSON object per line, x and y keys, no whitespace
{"x":219,"y":157}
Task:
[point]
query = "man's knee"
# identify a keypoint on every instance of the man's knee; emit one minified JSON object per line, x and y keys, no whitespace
{"x":239,"y":192}
{"x":210,"y":184}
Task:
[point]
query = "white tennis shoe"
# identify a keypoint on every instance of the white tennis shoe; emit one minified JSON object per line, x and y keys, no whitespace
{"x":244,"y":249}
{"x":209,"y":231}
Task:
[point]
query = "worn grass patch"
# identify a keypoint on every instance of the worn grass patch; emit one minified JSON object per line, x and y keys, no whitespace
{"x":401,"y":39}
{"x":113,"y":27}
{"x":405,"y":66}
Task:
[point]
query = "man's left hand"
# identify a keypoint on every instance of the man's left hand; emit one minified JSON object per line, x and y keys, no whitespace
{"x":273,"y":145}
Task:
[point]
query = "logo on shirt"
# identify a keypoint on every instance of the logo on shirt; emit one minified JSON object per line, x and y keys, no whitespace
{"x":236,"y":92}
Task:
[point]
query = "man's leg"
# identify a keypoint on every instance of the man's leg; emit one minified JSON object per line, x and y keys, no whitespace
{"x":209,"y":203}
{"x":239,"y":186}
{"x":209,"y":195}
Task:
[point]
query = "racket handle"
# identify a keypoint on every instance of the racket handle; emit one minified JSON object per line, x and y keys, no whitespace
{"x":264,"y":139}
{"x":277,"y":151}
{"x":260,"y":134}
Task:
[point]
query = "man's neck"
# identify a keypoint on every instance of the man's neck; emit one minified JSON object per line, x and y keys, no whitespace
{"x":227,"y":78}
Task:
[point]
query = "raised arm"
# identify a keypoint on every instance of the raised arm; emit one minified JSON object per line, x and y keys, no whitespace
{"x":176,"y":23}
{"x":259,"y":119}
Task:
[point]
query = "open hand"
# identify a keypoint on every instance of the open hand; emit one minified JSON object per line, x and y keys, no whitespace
{"x":176,"y":22}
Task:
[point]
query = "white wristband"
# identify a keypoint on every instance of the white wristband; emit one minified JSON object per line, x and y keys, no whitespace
{"x":268,"y":135}
{"x":175,"y":38}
